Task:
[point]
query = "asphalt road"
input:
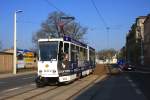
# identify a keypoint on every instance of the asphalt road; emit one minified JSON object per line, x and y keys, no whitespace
{"x":118,"y":87}
{"x":16,"y":81}
{"x":142,"y":80}
{"x":132,"y":85}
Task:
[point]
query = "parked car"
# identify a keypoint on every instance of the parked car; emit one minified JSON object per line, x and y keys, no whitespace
{"x":128,"y":67}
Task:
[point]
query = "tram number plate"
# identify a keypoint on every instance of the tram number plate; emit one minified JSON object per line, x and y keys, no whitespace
{"x":64,"y":78}
{"x":47,"y":70}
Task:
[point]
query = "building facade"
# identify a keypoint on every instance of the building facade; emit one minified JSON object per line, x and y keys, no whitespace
{"x":147,"y":41}
{"x":134,"y":42}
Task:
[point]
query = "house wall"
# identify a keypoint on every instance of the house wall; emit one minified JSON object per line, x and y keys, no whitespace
{"x":147,"y":41}
{"x":6,"y":62}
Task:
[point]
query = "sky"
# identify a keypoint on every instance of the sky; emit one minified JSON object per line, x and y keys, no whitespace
{"x":118,"y":14}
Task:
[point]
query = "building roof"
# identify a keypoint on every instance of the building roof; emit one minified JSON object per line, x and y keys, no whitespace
{"x":5,"y":52}
{"x":142,"y":16}
{"x":147,"y":18}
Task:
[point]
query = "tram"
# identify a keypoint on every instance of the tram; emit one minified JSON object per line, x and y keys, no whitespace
{"x":63,"y":60}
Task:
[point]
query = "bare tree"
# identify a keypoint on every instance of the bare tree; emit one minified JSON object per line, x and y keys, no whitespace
{"x":51,"y":28}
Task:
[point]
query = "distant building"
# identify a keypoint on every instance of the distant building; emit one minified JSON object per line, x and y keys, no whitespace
{"x":112,"y":60}
{"x":147,"y":41}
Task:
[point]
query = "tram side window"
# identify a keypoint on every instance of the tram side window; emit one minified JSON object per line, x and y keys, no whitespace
{"x":73,"y":53}
{"x":81,"y":56}
{"x":92,"y":57}
{"x":77,"y":54}
{"x":60,"y":55}
{"x":66,"y":51}
{"x":85,"y":54}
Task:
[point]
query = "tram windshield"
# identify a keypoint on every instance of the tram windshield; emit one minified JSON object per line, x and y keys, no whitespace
{"x":48,"y":50}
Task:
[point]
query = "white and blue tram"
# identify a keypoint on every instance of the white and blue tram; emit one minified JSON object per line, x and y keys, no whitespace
{"x":63,"y":60}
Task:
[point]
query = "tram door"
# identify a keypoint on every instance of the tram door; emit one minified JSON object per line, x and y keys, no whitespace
{"x":66,"y":55}
{"x":63,"y":56}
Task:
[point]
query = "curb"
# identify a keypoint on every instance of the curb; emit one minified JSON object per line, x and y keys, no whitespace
{"x":7,"y":75}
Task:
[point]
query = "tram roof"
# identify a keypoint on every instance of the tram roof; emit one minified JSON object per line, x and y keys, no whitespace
{"x":91,"y":48}
{"x":66,"y":38}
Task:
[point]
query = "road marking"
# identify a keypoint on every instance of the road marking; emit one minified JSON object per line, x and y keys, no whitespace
{"x":133,"y":85}
{"x":27,"y":78}
{"x":127,"y":77}
{"x":130,"y":80}
{"x":8,"y":90}
{"x":32,"y":84}
{"x":143,"y":72}
{"x":138,"y":91}
{"x":3,"y":82}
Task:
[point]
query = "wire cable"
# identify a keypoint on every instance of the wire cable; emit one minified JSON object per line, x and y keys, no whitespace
{"x":99,"y":14}
{"x":51,"y":4}
{"x":103,"y":20}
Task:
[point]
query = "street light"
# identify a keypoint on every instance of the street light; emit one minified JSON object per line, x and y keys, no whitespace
{"x":15,"y":31}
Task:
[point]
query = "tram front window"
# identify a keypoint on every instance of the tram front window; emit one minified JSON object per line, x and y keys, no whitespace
{"x":48,"y":50}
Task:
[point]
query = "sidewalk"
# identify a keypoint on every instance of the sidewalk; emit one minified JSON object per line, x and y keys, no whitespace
{"x":6,"y":75}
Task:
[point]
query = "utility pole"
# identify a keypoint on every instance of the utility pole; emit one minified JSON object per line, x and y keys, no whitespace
{"x":15,"y":32}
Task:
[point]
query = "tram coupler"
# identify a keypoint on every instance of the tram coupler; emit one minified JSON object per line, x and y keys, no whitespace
{"x":40,"y":81}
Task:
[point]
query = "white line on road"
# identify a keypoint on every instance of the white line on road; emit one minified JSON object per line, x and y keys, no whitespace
{"x":27,"y":78}
{"x":32,"y":84}
{"x":143,"y":72}
{"x":138,"y":91}
{"x":127,"y":77}
{"x":133,"y":85}
{"x":3,"y":82}
{"x":130,"y":80}
{"x":8,"y":90}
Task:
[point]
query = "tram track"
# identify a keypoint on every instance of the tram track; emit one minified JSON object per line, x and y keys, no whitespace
{"x":58,"y":90}
{"x":28,"y":91}
{"x":8,"y":97}
{"x":55,"y":92}
{"x":87,"y":86}
{"x":41,"y":93}
{"x":70,"y":91}
{"x":66,"y":87}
